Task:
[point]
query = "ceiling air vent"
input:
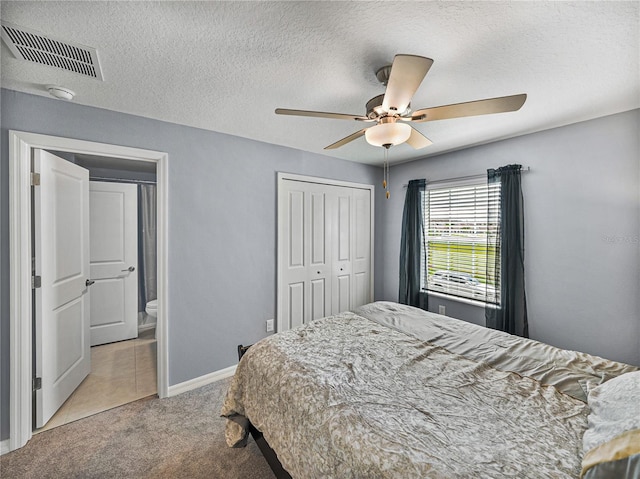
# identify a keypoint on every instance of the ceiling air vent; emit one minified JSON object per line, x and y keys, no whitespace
{"x":39,"y":48}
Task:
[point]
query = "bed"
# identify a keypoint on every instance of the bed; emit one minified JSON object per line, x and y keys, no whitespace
{"x":391,"y":391}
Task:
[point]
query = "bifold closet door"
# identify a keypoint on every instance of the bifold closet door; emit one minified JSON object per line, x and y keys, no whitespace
{"x":305,"y":233}
{"x":324,"y":250}
{"x":351,"y":220}
{"x":342,"y":238}
{"x":361,"y":281}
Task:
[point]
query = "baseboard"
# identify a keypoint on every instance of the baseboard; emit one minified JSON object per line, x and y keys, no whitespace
{"x":145,"y":327}
{"x":201,"y":381}
{"x":4,"y":447}
{"x":145,"y":321}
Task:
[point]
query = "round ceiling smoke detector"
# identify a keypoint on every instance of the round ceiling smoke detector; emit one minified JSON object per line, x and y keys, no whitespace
{"x":61,"y":93}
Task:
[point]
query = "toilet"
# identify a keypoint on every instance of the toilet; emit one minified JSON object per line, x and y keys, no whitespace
{"x":152,"y":308}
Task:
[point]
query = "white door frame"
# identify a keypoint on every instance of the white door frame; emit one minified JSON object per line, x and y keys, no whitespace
{"x":280,"y":245}
{"x":20,"y":146}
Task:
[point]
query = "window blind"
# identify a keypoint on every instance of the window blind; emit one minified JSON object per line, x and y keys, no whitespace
{"x":461,"y":228}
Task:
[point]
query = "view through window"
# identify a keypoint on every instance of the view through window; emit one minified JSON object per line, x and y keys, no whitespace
{"x":461,"y":224}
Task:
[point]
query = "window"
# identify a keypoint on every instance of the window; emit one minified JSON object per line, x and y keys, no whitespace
{"x":461,"y":225}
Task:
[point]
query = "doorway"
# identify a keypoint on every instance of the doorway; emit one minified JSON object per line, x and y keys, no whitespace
{"x":122,"y":292}
{"x":21,"y":145}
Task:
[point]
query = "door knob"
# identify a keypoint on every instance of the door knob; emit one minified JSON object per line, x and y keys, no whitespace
{"x":89,"y":282}
{"x":130,"y":269}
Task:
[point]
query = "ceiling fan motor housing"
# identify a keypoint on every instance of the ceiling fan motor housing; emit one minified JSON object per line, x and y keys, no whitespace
{"x":375,"y":110}
{"x":374,"y":107}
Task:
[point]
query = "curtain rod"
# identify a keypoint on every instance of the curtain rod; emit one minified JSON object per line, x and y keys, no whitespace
{"x":122,"y":180}
{"x":468,"y":177}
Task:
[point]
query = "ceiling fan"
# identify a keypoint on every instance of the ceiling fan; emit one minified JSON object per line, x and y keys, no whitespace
{"x":391,"y":111}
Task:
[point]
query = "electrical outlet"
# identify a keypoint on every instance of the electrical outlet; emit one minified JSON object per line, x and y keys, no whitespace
{"x":442,"y":309}
{"x":269,"y":325}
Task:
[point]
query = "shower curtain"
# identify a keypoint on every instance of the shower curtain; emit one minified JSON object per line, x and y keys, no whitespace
{"x":146,"y":245}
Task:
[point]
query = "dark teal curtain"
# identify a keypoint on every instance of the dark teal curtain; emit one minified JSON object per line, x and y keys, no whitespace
{"x":510,"y":315}
{"x":412,"y":246}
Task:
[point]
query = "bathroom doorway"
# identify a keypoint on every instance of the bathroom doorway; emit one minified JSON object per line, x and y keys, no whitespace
{"x":123,"y":291}
{"x":22,"y":146}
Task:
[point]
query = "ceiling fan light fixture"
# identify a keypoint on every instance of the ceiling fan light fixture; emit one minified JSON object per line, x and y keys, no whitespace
{"x":388,"y":134}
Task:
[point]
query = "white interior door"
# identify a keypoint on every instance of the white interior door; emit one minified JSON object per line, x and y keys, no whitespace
{"x":320,"y":251}
{"x":351,"y":279}
{"x":361,"y":248}
{"x":342,"y":218}
{"x":324,"y":250}
{"x":114,"y":258}
{"x":61,"y":250}
{"x":305,"y":230}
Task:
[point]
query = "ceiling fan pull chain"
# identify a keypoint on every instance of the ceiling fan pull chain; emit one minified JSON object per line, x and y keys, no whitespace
{"x":384,"y":175}
{"x":386,"y":171}
{"x":388,"y":194}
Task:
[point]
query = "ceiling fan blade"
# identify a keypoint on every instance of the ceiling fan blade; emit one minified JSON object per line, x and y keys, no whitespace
{"x":417,"y":140}
{"x":346,"y":140}
{"x":471,"y":108}
{"x":321,"y":114}
{"x":407,"y":72}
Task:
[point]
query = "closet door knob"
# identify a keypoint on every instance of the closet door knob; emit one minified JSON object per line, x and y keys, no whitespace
{"x":89,"y":282}
{"x":130,"y":269}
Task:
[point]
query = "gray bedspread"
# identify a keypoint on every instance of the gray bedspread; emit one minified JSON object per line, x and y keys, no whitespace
{"x":571,"y":372}
{"x":361,"y":396}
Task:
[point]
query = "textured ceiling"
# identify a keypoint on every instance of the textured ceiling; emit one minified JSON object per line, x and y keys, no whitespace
{"x":225,"y":66}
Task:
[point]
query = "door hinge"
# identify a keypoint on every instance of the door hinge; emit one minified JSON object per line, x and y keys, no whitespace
{"x":35,"y":179}
{"x":36,"y":282}
{"x":37,"y":384}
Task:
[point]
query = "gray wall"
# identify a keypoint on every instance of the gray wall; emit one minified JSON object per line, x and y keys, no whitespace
{"x":222,"y":225}
{"x":582,"y":230}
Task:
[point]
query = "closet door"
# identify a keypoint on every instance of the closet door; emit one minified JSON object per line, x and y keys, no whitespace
{"x":342,"y":218}
{"x":351,"y":280}
{"x":361,"y":274}
{"x":320,"y":251}
{"x":324,"y":250}
{"x":304,"y":234}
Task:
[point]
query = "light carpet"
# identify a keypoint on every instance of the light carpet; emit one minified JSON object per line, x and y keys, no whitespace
{"x":178,"y":437}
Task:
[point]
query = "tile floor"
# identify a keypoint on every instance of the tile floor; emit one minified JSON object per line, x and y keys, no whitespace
{"x":120,"y":373}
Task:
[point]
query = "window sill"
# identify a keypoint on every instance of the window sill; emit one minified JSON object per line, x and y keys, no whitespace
{"x":472,"y":302}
